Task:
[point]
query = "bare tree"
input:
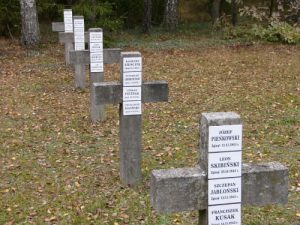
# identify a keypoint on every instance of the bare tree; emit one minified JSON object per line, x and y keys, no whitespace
{"x":30,"y":26}
{"x":147,"y":16}
{"x":215,"y":10}
{"x":234,"y":12}
{"x":171,"y":14}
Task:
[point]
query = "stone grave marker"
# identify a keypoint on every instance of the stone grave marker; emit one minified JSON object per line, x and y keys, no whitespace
{"x":220,"y":184}
{"x":96,"y":57}
{"x":66,"y":37}
{"x":130,"y":93}
{"x":79,"y":45}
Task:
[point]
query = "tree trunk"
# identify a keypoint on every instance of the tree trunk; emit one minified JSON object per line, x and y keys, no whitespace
{"x":272,"y":6}
{"x":171,"y":14}
{"x":30,"y":26}
{"x":215,"y":10}
{"x":234,"y":12}
{"x":147,"y":16}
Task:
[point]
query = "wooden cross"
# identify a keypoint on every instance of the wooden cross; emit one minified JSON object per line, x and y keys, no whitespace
{"x":187,"y":189}
{"x":130,"y":125}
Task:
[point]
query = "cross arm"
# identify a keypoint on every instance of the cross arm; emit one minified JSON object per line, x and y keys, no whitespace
{"x":111,"y":55}
{"x":64,"y":37}
{"x":58,"y":26}
{"x":111,"y":92}
{"x":185,"y":189}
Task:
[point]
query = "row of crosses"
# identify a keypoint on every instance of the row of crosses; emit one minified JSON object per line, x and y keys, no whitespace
{"x":200,"y":188}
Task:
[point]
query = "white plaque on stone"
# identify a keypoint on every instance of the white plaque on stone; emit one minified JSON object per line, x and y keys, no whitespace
{"x":96,"y":47}
{"x":78,"y":23}
{"x":224,"y":191}
{"x":132,"y":79}
{"x":132,"y":93}
{"x":132,"y":108}
{"x":225,"y":214}
{"x":79,"y":31}
{"x":224,"y":164}
{"x":97,"y":67}
{"x":96,"y":57}
{"x":225,"y":138}
{"x":68,"y":20}
{"x":69,"y":28}
{"x":132,"y":64}
{"x":96,"y":37}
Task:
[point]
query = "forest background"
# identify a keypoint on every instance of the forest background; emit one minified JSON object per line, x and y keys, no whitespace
{"x":271,"y":20}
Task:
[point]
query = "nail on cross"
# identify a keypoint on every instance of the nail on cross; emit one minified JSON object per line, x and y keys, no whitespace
{"x":130,"y":124}
{"x":187,"y":189}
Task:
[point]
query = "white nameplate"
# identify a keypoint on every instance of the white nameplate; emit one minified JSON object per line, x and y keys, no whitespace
{"x":68,"y":20}
{"x":78,"y":23}
{"x":69,"y":27}
{"x":96,"y":37}
{"x":132,"y":64}
{"x":96,"y":57}
{"x":78,"y":46}
{"x":225,"y":215}
{"x":224,"y":191}
{"x":225,"y":138}
{"x":132,"y":108}
{"x":96,"y":47}
{"x":78,"y":38}
{"x":79,"y":31}
{"x":132,"y":79}
{"x":97,"y":67}
{"x":224,"y":164}
{"x":132,"y":94}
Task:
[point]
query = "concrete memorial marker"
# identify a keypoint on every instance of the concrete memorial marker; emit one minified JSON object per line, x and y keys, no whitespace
{"x":130,"y":115}
{"x":66,"y":35}
{"x":96,"y":57}
{"x":221,"y":183}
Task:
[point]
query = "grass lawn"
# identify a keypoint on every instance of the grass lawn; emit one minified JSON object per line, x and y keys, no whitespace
{"x":56,"y":167}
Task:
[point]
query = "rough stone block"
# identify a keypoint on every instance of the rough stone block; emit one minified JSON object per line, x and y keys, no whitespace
{"x":69,"y":37}
{"x":111,"y":92}
{"x":177,"y":190}
{"x":110,"y":56}
{"x":58,"y":27}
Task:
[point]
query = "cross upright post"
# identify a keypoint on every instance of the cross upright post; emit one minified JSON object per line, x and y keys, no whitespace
{"x":130,"y":94}
{"x":220,"y":183}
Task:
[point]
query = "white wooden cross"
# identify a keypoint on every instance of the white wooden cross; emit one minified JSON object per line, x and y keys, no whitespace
{"x":209,"y":187}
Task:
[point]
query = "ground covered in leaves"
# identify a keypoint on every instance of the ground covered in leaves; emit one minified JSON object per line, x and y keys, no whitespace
{"x":56,"y":167}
